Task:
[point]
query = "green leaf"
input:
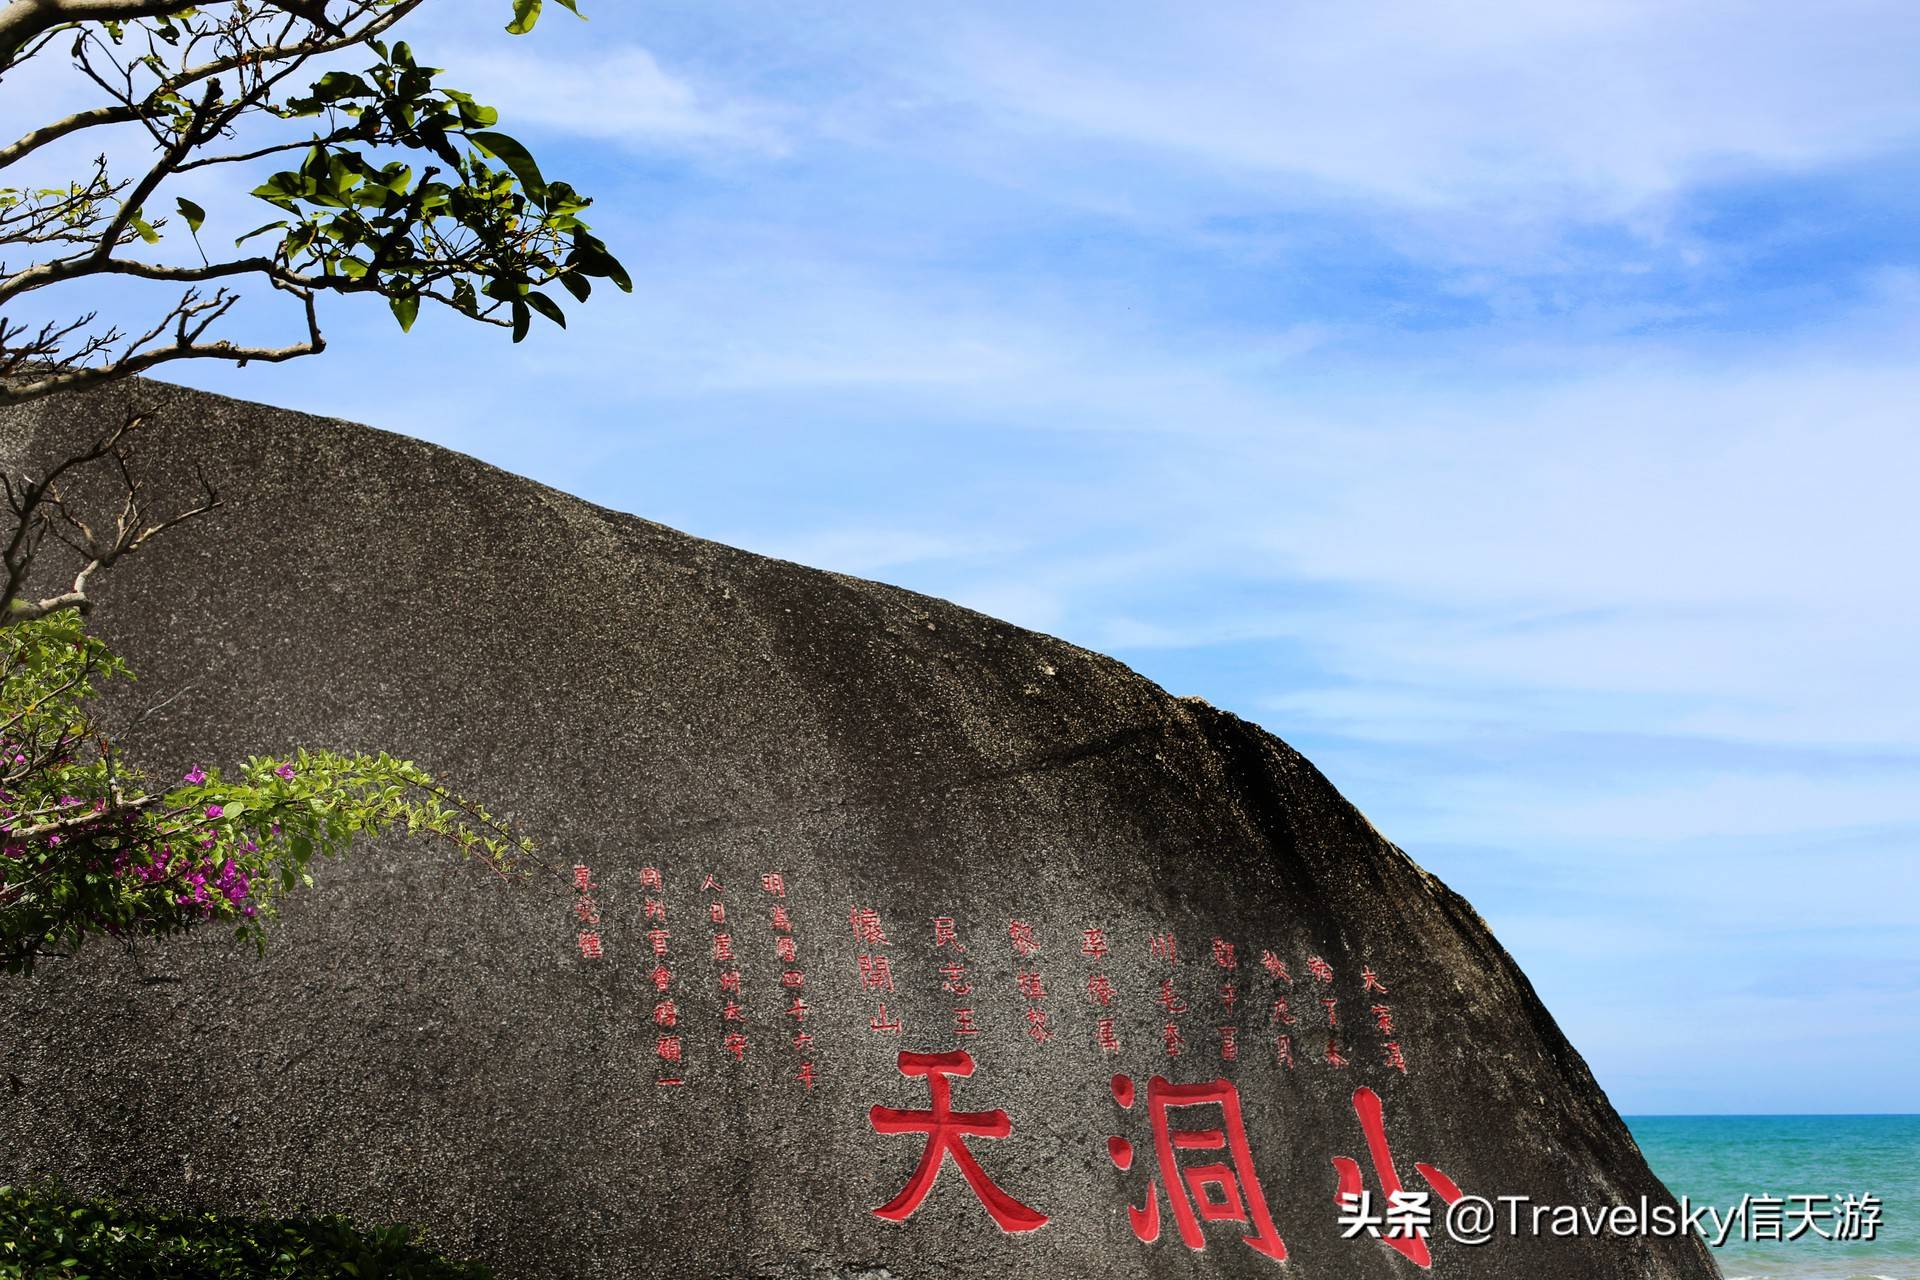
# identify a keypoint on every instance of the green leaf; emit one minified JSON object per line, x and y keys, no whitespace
{"x":192,"y":212}
{"x":522,"y":319}
{"x":405,"y":307}
{"x":577,"y":285}
{"x":525,"y":14}
{"x":145,"y":229}
{"x":547,"y":307}
{"x":515,"y":157}
{"x":271,"y":226}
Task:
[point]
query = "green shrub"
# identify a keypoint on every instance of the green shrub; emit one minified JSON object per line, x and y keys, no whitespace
{"x":49,"y":1233}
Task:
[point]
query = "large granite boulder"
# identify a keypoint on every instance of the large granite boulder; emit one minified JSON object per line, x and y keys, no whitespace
{"x":911,"y":943}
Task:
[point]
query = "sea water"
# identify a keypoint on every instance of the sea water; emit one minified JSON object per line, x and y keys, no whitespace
{"x":1717,"y":1160}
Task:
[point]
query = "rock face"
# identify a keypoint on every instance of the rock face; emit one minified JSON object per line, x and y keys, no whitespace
{"x":845,"y":843}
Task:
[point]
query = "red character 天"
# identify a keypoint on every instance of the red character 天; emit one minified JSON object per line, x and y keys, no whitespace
{"x":1021,"y":935}
{"x":1373,"y":1123}
{"x":947,"y":1132}
{"x":1213,"y":1192}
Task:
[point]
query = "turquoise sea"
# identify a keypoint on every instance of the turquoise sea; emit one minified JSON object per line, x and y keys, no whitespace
{"x":1719,"y":1159}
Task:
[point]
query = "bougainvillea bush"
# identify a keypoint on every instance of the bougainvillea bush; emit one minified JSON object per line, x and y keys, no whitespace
{"x":47,"y":1232}
{"x":94,"y":847}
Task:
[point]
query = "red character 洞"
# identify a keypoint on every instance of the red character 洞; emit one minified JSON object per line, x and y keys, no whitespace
{"x":1216,"y":1191}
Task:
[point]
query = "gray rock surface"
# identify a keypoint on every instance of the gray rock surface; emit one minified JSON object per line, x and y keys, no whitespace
{"x":425,"y":1042}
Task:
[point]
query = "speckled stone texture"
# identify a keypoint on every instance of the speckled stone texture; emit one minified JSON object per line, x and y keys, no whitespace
{"x":424,"y":1042}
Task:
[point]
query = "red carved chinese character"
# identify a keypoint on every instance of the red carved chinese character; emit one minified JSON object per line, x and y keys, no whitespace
{"x":1333,"y":1055}
{"x":1030,"y":986}
{"x":582,"y":878}
{"x":1165,"y":947}
{"x":1275,"y":967}
{"x":945,"y":935}
{"x":876,"y":973}
{"x":1366,"y":1105}
{"x":803,"y":1042}
{"x":774,"y":883}
{"x":1020,"y":933}
{"x":963,"y":1023}
{"x":1320,"y":968}
{"x":656,"y":911}
{"x":736,"y":1044}
{"x":1171,"y":1039}
{"x":1383,"y":1016}
{"x":1223,"y":954}
{"x":866,"y":926}
{"x":786,"y":950}
{"x":1370,"y":983}
{"x":1229,"y":995}
{"x":1105,"y":1035}
{"x":723,"y":948}
{"x":953,"y":978}
{"x":666,"y":1014}
{"x":717,"y":912}
{"x":793,"y":979}
{"x":798,"y":1010}
{"x":782,"y":921}
{"x":711,"y":882}
{"x":1167,"y":999}
{"x":1283,"y":1051}
{"x":1230,"y":1044}
{"x":805,"y":1074}
{"x":947,"y":1132}
{"x":1333,"y":1015}
{"x":1037,"y":1027}
{"x":661,"y":976}
{"x":657,"y":939}
{"x":1213,"y":1192}
{"x":730,"y":981}
{"x":1394,"y":1058}
{"x":1281,"y":1013}
{"x":1093,"y":942}
{"x":733,"y":1012}
{"x":883,"y":1024}
{"x":650,"y":878}
{"x":589,"y":945}
{"x":587,"y":911}
{"x":667,"y":1047}
{"x":1100,"y":989}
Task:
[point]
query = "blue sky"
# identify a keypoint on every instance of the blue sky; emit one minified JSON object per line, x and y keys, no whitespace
{"x":1510,"y":405}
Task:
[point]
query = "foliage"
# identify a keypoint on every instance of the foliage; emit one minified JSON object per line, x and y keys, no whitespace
{"x":47,"y":1233}
{"x":90,"y":849}
{"x":404,"y":188}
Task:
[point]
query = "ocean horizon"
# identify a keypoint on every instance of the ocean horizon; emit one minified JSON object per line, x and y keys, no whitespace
{"x":1727,"y":1161}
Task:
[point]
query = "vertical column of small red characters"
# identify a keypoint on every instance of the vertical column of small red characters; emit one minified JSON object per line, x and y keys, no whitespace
{"x":951,"y":953}
{"x":1026,"y":976}
{"x":667,"y":1050}
{"x":875,"y":965}
{"x":586,"y":913}
{"x":1164,"y":947}
{"x":1375,"y":993}
{"x":1323,"y":974}
{"x":1100,"y":992}
{"x":733,"y":1013}
{"x":793,"y":979}
{"x":1226,"y":958}
{"x":1280,"y":1019}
